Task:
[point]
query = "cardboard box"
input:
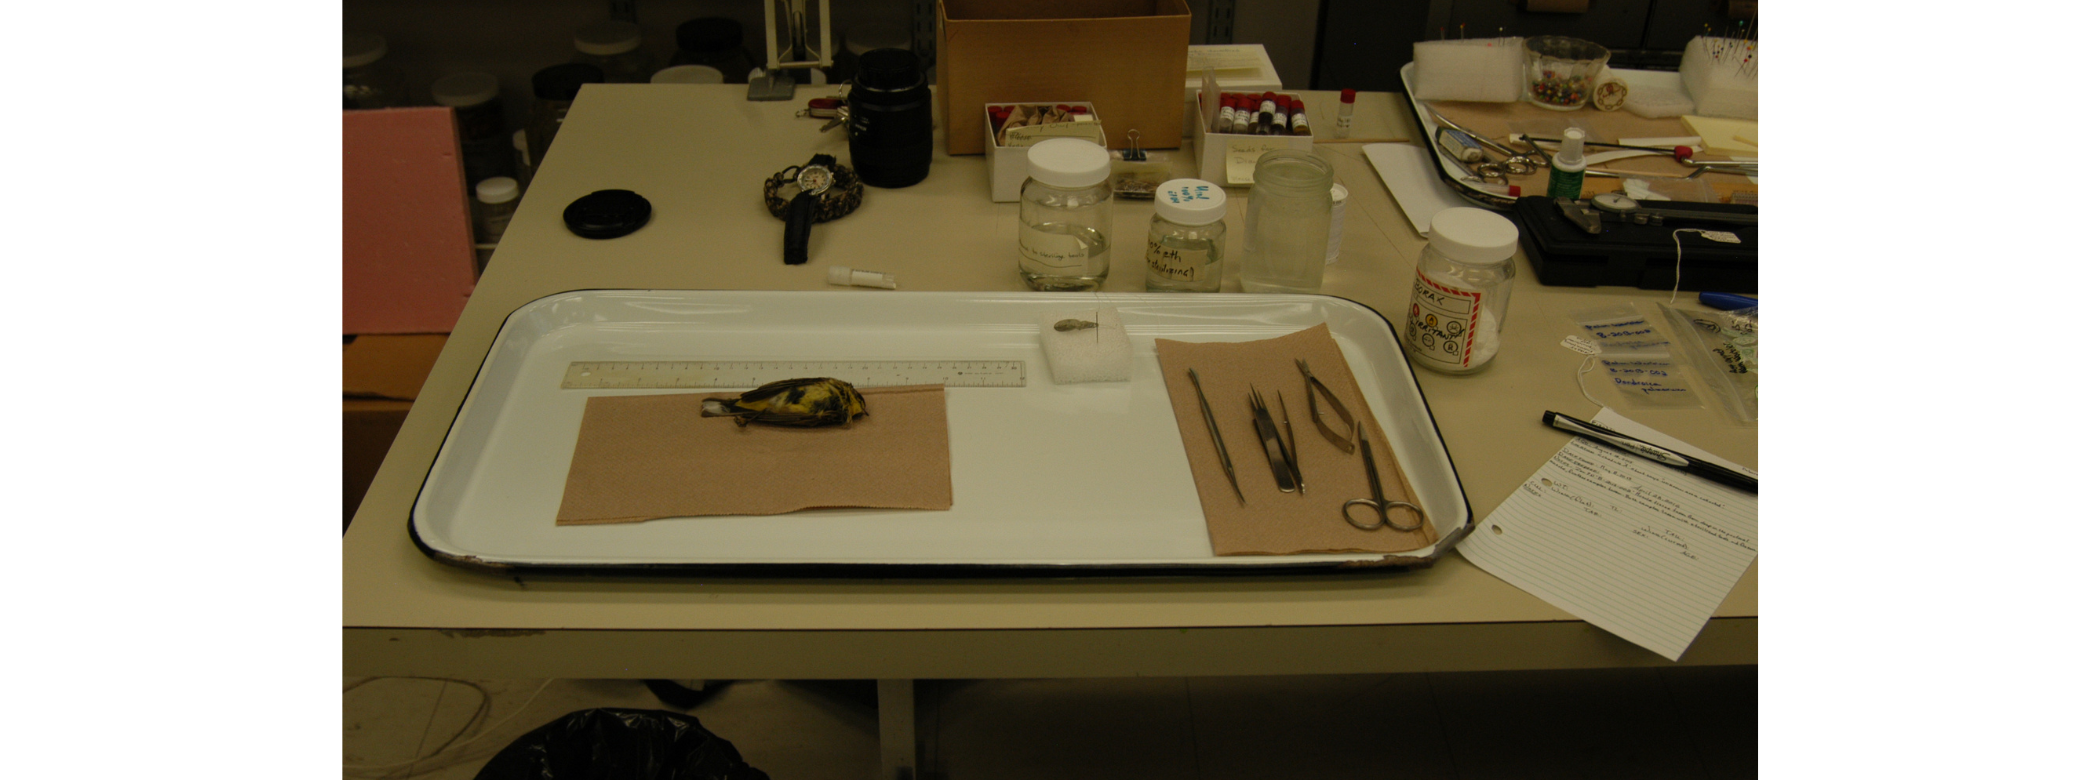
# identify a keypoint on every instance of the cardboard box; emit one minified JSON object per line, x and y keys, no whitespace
{"x":1127,"y":57}
{"x":1008,"y":165}
{"x":1240,"y":67}
{"x":1228,"y":158}
{"x":381,"y":377}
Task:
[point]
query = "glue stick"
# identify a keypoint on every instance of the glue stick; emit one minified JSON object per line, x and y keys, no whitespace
{"x":1568,"y":167}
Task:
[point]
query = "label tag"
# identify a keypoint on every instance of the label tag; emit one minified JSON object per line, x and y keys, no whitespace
{"x":1722,"y":236}
{"x":1442,"y":321}
{"x":1580,"y":345}
{"x":1240,"y":156}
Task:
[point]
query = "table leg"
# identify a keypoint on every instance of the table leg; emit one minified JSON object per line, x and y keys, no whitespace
{"x":896,"y":724}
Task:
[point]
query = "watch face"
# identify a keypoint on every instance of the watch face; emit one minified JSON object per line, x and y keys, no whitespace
{"x":813,"y":179}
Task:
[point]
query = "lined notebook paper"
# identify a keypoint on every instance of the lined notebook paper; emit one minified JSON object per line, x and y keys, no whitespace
{"x":1636,"y":548}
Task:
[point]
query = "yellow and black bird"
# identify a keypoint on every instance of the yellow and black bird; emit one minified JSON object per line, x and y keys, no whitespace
{"x":801,"y":403}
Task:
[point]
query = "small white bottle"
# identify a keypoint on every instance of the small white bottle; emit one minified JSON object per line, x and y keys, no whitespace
{"x":1569,"y":167}
{"x":1183,"y":250}
{"x":495,"y":201}
{"x":1461,"y":291}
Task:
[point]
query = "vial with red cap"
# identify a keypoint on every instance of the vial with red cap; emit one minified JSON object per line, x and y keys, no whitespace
{"x":1341,"y":121}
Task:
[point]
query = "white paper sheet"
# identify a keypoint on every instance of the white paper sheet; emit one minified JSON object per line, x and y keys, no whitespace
{"x":1636,"y":548}
{"x":1407,"y":173}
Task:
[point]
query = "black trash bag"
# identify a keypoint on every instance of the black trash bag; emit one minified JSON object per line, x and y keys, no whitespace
{"x":620,"y":744}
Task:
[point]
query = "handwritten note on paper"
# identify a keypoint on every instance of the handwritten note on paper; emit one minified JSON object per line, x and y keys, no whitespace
{"x":1636,"y":548}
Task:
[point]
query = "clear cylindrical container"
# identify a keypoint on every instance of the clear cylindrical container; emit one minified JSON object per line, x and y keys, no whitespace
{"x":1065,"y":215}
{"x":369,"y":81}
{"x":1561,"y":72}
{"x":1289,"y":211}
{"x":717,"y":43}
{"x":1461,"y":291}
{"x":477,"y":107}
{"x":553,"y":89}
{"x":616,"y":48}
{"x":1182,"y":250}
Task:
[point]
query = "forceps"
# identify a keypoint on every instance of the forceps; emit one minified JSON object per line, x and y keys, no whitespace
{"x":1377,"y":500}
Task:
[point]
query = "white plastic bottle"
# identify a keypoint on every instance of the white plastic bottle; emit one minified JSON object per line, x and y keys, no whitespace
{"x":1461,"y":291}
{"x":1065,"y":216}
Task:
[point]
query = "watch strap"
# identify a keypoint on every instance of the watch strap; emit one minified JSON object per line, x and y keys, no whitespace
{"x":800,"y":215}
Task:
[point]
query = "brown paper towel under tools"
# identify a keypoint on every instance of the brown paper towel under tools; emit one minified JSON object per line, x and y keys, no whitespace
{"x":644,"y":457}
{"x":1274,"y":522}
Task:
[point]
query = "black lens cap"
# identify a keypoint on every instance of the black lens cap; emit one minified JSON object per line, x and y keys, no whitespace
{"x":607,"y":214}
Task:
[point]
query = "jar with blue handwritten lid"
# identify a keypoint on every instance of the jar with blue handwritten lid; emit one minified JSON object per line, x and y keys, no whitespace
{"x":1461,"y":291}
{"x":1182,"y":250}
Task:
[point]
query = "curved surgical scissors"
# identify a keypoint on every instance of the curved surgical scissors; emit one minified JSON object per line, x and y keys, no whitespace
{"x":1377,"y":500}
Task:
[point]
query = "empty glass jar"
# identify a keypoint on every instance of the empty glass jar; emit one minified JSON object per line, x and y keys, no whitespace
{"x":1289,"y":213}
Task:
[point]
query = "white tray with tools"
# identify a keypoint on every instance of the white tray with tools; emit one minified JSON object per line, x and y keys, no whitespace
{"x":1048,"y":479}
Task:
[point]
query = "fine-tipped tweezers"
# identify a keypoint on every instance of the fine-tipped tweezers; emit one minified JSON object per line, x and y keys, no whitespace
{"x":1272,"y":444}
{"x":1215,"y":439}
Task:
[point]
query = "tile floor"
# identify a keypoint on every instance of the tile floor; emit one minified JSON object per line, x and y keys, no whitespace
{"x":1624,"y":724}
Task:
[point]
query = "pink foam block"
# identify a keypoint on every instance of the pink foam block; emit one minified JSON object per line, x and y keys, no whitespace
{"x":408,"y":244}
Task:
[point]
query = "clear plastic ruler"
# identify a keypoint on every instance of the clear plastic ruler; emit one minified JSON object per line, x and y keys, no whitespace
{"x":738,"y":374}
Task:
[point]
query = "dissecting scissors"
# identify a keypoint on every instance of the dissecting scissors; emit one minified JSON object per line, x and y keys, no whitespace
{"x":1377,"y":500}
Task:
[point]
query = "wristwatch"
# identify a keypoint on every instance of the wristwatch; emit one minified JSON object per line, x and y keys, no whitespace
{"x":814,"y":179}
{"x":824,"y":191}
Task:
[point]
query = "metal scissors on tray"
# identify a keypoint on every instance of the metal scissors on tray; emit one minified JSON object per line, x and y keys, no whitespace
{"x":1377,"y":500}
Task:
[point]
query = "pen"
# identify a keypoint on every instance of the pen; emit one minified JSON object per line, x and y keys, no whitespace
{"x":1717,"y":473}
{"x":1727,"y":301}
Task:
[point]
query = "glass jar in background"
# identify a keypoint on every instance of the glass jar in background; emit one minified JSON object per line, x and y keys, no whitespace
{"x":368,"y":80}
{"x":1289,"y":212}
{"x":687,"y":74}
{"x":616,"y":48}
{"x":553,"y":89}
{"x":1065,"y":216}
{"x":717,"y":43}
{"x":891,"y":129}
{"x":1182,"y":250}
{"x":477,"y":108}
{"x":1561,"y":72}
{"x":1461,"y":291}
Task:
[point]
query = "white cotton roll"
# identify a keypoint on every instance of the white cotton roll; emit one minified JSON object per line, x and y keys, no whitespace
{"x":1100,"y":353}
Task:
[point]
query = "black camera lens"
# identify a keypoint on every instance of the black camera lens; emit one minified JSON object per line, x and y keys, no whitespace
{"x":891,"y":132}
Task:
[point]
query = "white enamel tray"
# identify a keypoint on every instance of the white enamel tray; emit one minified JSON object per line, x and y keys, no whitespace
{"x":1048,"y":479}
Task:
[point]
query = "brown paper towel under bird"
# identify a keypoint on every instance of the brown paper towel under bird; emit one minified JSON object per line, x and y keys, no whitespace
{"x":801,"y":403}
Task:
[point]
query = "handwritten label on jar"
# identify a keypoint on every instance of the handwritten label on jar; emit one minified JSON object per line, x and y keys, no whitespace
{"x":1171,"y":264}
{"x":1441,"y":323}
{"x":1056,"y":248}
